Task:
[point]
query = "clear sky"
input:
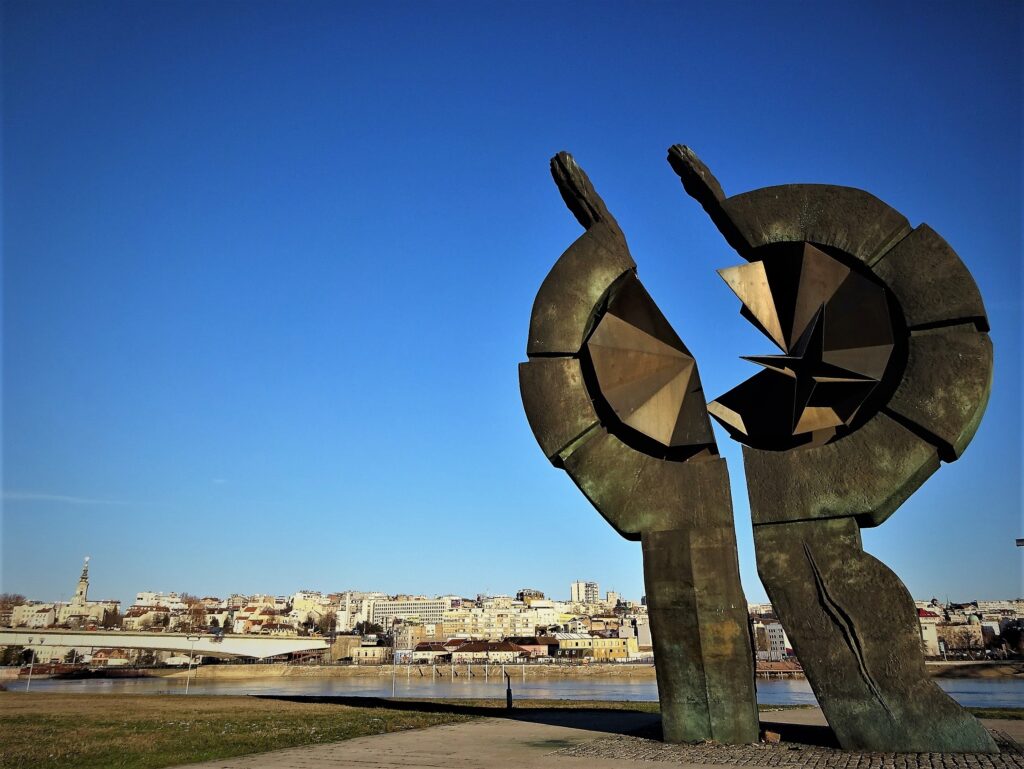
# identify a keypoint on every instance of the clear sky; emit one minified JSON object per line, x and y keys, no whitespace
{"x":268,"y":270}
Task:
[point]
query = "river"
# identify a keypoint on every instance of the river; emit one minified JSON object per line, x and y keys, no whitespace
{"x":970,"y":692}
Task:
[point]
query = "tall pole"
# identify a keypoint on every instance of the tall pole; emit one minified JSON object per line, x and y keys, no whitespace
{"x":31,"y":663}
{"x":191,"y":654}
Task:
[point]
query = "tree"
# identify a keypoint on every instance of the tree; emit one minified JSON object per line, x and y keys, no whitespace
{"x":328,"y":622}
{"x":111,"y":619}
{"x":9,"y":600}
{"x":1013,"y":634}
{"x":12,"y":655}
{"x":196,"y":615}
{"x":368,"y":628}
{"x":214,"y":622}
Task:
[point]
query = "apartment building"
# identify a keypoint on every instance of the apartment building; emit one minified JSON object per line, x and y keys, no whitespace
{"x":584,"y":592}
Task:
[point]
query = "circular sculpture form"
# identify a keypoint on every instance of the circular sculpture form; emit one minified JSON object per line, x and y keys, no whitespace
{"x":850,"y":461}
{"x":837,"y":335}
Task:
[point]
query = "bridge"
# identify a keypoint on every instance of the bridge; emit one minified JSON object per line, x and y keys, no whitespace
{"x":208,"y":645}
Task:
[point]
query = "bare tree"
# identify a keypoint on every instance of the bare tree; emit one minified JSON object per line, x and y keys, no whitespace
{"x":196,"y":615}
{"x":111,"y":619}
{"x":9,"y":600}
{"x":328,"y":622}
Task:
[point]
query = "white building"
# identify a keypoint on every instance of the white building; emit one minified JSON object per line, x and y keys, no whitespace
{"x":584,"y":592}
{"x":419,"y":608}
{"x":354,"y":607}
{"x":771,"y":642}
{"x":150,"y":598}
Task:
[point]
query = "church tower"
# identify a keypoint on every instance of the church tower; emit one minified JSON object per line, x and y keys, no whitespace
{"x":82,"y":591}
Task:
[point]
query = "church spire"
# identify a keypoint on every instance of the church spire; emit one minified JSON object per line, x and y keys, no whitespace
{"x":82,"y":591}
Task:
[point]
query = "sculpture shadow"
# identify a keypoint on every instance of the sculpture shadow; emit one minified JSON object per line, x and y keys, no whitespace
{"x":802,"y":734}
{"x":635,"y":722}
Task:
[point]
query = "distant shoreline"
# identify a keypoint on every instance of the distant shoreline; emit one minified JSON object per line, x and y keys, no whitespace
{"x":990,"y":670}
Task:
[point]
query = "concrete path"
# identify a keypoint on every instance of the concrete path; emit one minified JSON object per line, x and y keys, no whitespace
{"x":487,"y":743}
{"x":548,"y":741}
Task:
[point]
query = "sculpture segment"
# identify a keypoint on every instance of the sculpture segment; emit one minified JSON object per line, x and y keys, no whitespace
{"x":906,"y":390}
{"x":614,"y":397}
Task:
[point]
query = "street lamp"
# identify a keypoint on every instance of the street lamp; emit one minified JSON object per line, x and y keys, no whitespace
{"x":192,"y":640}
{"x":394,"y":656}
{"x":31,"y":663}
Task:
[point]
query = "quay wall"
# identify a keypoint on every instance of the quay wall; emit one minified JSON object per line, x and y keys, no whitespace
{"x":597,"y":670}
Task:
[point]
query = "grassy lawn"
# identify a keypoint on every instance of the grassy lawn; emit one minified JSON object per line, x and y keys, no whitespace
{"x":108,"y":731}
{"x":1009,"y":714}
{"x":124,"y":731}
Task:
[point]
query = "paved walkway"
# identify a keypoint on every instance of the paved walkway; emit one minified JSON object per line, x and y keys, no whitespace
{"x":600,"y":740}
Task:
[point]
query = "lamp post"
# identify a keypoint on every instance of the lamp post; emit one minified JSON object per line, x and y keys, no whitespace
{"x":31,"y":663}
{"x":394,"y":656}
{"x":188,"y":676}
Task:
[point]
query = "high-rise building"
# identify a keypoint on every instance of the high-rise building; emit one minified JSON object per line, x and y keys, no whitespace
{"x":584,"y":592}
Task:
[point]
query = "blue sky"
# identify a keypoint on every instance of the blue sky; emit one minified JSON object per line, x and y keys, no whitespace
{"x":268,"y":269}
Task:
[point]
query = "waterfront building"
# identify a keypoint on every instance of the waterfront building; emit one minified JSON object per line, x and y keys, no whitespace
{"x":489,"y":651}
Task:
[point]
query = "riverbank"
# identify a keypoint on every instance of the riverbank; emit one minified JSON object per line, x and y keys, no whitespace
{"x":969,"y":670}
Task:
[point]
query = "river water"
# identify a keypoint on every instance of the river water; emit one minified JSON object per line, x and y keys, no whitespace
{"x":985,"y":692}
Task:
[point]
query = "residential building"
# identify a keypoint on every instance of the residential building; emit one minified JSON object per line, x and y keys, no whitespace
{"x":963,"y":638}
{"x":430,"y":652}
{"x":384,"y":611}
{"x":140,"y":618}
{"x":371,"y":655}
{"x":610,"y":648}
{"x":928,"y":621}
{"x":574,"y":645}
{"x":528,"y":595}
{"x":489,"y":651}
{"x":771,"y":644}
{"x":584,"y":592}
{"x":172,"y":601}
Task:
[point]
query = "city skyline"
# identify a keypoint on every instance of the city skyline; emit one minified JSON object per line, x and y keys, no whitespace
{"x":267,"y":272}
{"x":128,"y":598}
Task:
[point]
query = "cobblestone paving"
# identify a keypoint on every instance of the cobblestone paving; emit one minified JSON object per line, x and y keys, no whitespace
{"x":790,"y":754}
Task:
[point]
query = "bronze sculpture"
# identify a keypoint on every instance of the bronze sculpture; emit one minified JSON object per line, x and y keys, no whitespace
{"x":901,"y":385}
{"x":614,"y":398}
{"x":885,"y":371}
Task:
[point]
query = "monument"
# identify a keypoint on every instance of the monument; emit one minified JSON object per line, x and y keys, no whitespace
{"x":614,"y":398}
{"x":884,"y":371}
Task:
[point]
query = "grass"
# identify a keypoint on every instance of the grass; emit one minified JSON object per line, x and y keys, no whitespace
{"x":118,"y":731}
{"x":113,"y":731}
{"x":1007,"y":714}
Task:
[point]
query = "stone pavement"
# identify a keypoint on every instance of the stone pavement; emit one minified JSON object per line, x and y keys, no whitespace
{"x":607,"y":739}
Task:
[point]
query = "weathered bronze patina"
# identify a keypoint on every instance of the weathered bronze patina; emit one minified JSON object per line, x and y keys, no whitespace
{"x":614,"y":398}
{"x":860,"y":421}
